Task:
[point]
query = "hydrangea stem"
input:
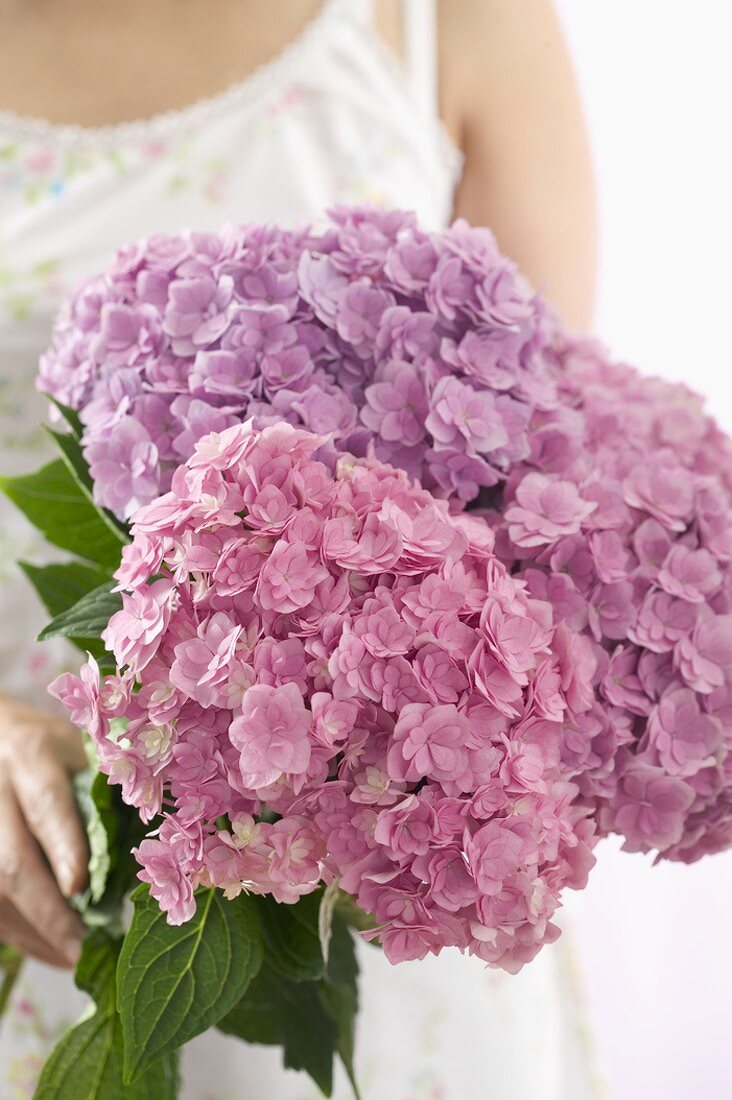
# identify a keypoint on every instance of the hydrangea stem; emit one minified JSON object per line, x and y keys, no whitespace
{"x":11,"y":964}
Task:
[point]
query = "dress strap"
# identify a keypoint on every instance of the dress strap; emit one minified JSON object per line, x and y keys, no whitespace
{"x":360,"y":11}
{"x":419,"y":23}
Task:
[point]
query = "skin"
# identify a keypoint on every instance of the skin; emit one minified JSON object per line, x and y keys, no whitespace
{"x":508,"y":98}
{"x":43,"y":844}
{"x":513,"y":105}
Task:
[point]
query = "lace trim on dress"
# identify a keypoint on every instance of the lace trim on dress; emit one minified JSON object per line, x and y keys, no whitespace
{"x":265,"y":76}
{"x":270,"y":74}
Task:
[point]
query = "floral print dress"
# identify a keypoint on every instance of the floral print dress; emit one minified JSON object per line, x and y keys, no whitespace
{"x":335,"y":118}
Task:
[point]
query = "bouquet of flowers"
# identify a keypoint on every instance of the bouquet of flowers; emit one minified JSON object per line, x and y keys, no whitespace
{"x":328,"y":696}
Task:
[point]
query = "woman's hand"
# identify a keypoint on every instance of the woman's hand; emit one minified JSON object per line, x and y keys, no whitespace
{"x":43,"y":851}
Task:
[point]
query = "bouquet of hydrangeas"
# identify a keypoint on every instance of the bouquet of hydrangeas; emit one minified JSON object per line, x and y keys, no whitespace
{"x":328,"y":697}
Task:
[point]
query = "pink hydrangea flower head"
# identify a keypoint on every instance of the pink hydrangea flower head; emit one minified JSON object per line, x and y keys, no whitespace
{"x":352,"y":655}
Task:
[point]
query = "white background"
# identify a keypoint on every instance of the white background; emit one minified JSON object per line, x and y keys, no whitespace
{"x":655,"y":944}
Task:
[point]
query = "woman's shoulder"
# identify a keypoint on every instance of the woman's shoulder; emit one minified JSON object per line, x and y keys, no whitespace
{"x":481,"y":42}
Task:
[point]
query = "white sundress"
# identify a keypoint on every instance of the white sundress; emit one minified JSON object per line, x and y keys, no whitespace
{"x":335,"y":118}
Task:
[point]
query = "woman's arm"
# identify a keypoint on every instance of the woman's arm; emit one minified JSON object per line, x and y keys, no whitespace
{"x":510,"y":97}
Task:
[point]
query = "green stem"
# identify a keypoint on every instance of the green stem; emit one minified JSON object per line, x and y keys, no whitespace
{"x":11,"y":962}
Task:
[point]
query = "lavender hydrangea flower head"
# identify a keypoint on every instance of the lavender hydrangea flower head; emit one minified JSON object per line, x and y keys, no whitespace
{"x":421,"y":349}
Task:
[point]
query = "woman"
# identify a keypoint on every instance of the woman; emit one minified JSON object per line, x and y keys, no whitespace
{"x":324,"y":101}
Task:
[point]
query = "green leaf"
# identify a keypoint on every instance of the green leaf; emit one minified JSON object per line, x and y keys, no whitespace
{"x":88,"y":617}
{"x":292,"y":1015}
{"x":62,"y":585}
{"x":99,"y":855}
{"x":86,"y":1063}
{"x":70,"y":416}
{"x":175,"y":982}
{"x":54,"y":503}
{"x":72,"y":454}
{"x":340,"y":990}
{"x":124,"y":831}
{"x":328,"y":902}
{"x":354,"y":916}
{"x":291,"y":937}
{"x":311,"y":1020}
{"x":113,"y":830}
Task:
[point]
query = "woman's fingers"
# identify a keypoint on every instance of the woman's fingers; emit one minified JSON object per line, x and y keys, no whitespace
{"x":46,"y":797}
{"x":72,"y":753}
{"x":16,"y":932}
{"x":27,"y":882}
{"x":38,"y":751}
